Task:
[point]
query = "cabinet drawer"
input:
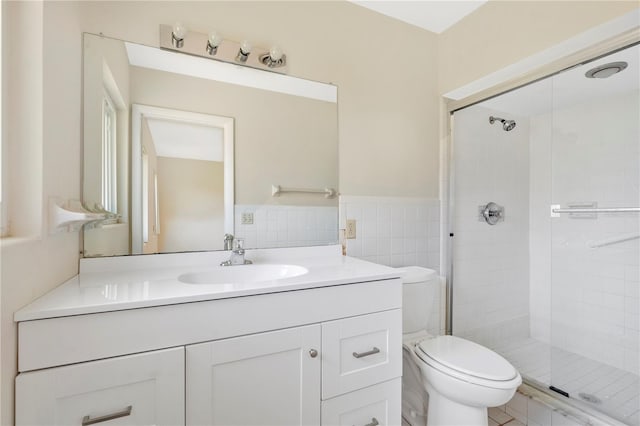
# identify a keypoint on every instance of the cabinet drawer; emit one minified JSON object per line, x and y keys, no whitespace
{"x":361,"y":351}
{"x":377,"y":405}
{"x":139,"y":389}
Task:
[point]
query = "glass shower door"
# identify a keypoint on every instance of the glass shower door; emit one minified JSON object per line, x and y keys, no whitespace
{"x":494,"y":301}
{"x":595,"y":249}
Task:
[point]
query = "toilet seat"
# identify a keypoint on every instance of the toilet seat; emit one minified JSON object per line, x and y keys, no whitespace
{"x":467,"y":361}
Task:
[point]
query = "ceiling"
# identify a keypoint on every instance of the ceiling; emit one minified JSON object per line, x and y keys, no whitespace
{"x":175,"y":139}
{"x":432,"y":15}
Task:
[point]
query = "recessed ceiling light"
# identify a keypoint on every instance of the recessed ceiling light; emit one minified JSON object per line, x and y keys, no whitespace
{"x":606,"y":70}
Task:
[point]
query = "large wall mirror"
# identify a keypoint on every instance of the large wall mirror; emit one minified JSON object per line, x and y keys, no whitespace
{"x":183,"y":150}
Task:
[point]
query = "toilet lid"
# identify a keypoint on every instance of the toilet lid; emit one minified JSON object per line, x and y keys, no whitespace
{"x":467,"y":357}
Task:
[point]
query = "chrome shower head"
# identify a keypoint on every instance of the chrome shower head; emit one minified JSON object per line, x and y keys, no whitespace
{"x":507,"y":125}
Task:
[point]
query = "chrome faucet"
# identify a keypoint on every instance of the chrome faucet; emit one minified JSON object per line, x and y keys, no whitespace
{"x":237,"y":255}
{"x":228,"y":241}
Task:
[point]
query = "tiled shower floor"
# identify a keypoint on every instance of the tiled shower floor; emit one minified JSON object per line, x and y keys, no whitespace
{"x":618,"y":391}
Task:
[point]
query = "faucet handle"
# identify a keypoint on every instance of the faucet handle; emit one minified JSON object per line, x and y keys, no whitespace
{"x":238,"y":244}
{"x":228,"y":241}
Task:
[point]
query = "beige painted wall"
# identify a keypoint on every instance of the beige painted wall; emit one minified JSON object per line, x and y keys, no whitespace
{"x":388,"y":109}
{"x":191,"y":201}
{"x":278,"y":139}
{"x":503,"y":32}
{"x":42,"y":121}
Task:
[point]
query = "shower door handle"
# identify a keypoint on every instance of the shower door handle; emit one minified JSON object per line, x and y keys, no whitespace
{"x":556,"y":210}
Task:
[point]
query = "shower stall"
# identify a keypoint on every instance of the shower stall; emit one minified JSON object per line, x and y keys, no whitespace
{"x":545,"y":223}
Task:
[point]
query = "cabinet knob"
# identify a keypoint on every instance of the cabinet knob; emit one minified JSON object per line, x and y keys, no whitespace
{"x":313,"y":353}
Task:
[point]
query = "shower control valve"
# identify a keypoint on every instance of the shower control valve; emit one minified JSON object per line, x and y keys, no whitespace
{"x":491,"y":213}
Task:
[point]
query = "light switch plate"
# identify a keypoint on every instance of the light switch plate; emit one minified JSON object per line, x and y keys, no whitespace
{"x":351,"y":229}
{"x":246,"y":219}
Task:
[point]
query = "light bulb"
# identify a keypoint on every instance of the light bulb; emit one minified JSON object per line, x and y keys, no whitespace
{"x":245,"y":47}
{"x":215,"y":39}
{"x":276,"y":53}
{"x":179,"y":30}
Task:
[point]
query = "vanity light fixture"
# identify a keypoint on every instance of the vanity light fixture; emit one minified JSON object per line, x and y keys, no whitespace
{"x":244,"y":51}
{"x":275,"y":58}
{"x":213,"y":42}
{"x":177,"y":35}
{"x":214,"y":46}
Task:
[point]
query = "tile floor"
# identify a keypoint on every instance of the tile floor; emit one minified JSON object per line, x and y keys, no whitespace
{"x":498,"y":417}
{"x":617,"y":391}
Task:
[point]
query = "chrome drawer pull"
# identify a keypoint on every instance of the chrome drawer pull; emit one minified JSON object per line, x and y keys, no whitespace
{"x":363,"y":354}
{"x":87,"y":420}
{"x":374,"y":422}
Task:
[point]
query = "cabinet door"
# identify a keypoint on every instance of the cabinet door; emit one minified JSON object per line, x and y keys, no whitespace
{"x":141,"y":389}
{"x":262,"y":379}
{"x":377,"y":405}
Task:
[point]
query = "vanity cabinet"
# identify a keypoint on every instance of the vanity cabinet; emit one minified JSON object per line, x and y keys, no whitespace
{"x":263,"y":379}
{"x":377,"y":405}
{"x":141,"y":389}
{"x":318,"y":356}
{"x":274,"y":378}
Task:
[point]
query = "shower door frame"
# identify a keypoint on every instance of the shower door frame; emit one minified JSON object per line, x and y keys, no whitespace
{"x":447,"y":171}
{"x":448,"y":107}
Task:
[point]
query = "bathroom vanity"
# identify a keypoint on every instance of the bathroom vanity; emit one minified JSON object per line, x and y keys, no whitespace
{"x":161,"y":340}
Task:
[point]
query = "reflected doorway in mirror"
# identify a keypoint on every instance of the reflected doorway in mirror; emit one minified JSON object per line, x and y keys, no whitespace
{"x":188,"y":176}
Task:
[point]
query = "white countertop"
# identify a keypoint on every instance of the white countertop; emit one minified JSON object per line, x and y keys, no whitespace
{"x":118,"y":283}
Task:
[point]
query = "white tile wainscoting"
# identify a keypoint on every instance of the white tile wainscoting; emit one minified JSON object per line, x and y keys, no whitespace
{"x":393,"y":231}
{"x":287,"y":226}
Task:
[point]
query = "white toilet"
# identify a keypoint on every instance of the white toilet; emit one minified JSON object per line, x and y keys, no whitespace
{"x":446,"y":380}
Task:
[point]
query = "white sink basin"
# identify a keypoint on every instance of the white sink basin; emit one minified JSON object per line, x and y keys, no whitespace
{"x":243,"y":274}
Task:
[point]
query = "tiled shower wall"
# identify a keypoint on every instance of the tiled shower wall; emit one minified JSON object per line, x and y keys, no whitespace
{"x":491,"y":263}
{"x":394,"y":231}
{"x":587,"y":300}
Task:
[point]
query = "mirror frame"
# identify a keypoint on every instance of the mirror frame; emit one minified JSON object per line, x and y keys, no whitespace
{"x":138,"y":114}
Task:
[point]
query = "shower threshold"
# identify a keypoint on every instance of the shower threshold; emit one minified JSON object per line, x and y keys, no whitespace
{"x":593,"y":387}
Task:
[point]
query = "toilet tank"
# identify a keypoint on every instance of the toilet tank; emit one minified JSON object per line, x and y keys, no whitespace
{"x":420,"y":296}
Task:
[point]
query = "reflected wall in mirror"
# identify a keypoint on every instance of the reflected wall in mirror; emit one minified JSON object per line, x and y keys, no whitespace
{"x":170,"y":145}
